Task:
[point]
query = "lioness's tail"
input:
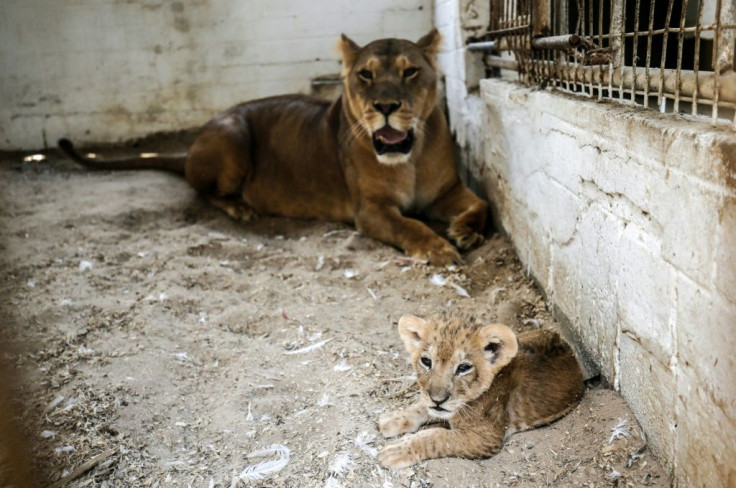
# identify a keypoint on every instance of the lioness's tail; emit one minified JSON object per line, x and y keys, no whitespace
{"x":164,"y":162}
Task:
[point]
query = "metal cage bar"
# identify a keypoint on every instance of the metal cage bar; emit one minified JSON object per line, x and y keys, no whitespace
{"x":680,"y":51}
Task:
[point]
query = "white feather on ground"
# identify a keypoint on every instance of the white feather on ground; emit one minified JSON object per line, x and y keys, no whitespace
{"x":309,"y":348}
{"x":332,"y":482}
{"x":362,"y":441}
{"x":460,"y":290}
{"x":324,"y":401}
{"x":494,"y":294}
{"x":619,"y":431}
{"x":342,"y":366}
{"x":438,"y":280}
{"x":260,"y":470}
{"x":340,"y":464}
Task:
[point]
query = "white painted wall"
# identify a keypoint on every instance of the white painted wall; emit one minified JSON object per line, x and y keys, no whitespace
{"x":627,"y":219}
{"x":111,"y":70}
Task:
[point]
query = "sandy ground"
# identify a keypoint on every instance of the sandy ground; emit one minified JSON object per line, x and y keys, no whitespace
{"x":171,"y":342}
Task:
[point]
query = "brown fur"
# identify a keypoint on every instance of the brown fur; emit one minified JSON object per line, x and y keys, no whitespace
{"x":298,"y":156}
{"x":513,"y":384}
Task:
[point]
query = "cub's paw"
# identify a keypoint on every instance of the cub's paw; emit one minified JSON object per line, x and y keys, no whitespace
{"x":396,"y":455}
{"x":438,"y":252}
{"x":393,"y":424}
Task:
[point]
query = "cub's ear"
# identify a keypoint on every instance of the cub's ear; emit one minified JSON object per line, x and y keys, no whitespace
{"x":349,"y":52}
{"x":430,"y":44}
{"x":499,"y":344}
{"x":412,"y":330}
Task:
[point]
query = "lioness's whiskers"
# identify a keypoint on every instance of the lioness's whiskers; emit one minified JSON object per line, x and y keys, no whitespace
{"x":354,"y":131}
{"x":419,"y":127}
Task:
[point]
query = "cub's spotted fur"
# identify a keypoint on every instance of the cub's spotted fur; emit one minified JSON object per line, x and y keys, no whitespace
{"x":481,"y":383}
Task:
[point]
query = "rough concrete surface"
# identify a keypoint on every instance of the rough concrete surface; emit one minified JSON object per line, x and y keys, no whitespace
{"x":161,"y":342}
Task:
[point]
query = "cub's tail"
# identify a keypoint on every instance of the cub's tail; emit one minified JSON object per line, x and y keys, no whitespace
{"x":164,"y":162}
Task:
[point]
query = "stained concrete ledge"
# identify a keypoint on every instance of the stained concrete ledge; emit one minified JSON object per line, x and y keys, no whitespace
{"x":626,"y":218}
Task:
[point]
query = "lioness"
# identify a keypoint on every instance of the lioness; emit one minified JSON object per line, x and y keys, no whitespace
{"x":481,"y":380}
{"x":380,"y":151}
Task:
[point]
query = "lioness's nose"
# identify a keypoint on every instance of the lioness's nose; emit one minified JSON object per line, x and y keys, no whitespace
{"x":387,"y":108}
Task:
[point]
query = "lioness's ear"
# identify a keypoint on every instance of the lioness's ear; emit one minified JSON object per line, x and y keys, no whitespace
{"x":349,"y":52}
{"x":412,"y":330}
{"x":499,"y":344}
{"x":430,"y":43}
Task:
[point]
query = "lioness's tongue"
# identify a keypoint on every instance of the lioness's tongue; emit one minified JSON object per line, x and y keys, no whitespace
{"x":389,"y":135}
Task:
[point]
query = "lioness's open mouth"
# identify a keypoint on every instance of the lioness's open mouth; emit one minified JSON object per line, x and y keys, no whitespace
{"x":388,"y":140}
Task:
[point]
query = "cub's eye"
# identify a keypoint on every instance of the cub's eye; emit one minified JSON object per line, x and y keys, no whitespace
{"x":463,"y":368}
{"x":365,"y":75}
{"x":426,"y":362}
{"x":410,"y":72}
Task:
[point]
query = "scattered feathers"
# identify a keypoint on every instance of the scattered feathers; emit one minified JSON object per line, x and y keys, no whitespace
{"x":460,"y":290}
{"x":259,"y":471}
{"x":619,"y":431}
{"x":340,"y":464}
{"x":362,"y":441}
{"x":309,"y":348}
{"x":331,"y":482}
{"x":438,"y":280}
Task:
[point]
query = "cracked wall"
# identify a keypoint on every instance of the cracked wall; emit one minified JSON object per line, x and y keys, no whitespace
{"x":110,"y":70}
{"x":627,"y":220}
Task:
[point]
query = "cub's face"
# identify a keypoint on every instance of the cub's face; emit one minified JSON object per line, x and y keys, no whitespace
{"x":455,"y":359}
{"x":390,"y":89}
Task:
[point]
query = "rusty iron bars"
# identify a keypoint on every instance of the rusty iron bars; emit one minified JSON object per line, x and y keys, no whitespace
{"x":677,"y":53}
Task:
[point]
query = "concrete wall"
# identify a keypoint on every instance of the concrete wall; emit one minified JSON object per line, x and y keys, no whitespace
{"x":627,"y":219}
{"x":110,"y":70}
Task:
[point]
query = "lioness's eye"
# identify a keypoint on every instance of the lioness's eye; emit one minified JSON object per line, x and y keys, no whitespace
{"x":463,"y":368}
{"x":426,"y":361}
{"x":409,"y":72}
{"x":365,"y":75}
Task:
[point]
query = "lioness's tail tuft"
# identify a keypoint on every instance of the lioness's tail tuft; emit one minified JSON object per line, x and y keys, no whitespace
{"x":164,"y":162}
{"x":66,"y":146}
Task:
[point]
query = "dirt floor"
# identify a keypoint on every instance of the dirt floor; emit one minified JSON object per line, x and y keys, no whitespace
{"x":163,"y":344}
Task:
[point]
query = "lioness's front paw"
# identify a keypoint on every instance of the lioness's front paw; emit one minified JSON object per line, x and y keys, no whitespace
{"x":396,"y":455}
{"x":465,"y":238}
{"x":438,"y":252}
{"x":393,"y":424}
{"x":465,"y":230}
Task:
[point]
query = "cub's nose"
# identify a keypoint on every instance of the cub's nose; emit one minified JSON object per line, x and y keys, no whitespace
{"x":439,"y":398}
{"x":387,"y":108}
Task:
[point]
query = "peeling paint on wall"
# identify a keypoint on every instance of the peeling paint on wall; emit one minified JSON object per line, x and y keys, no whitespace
{"x":110,"y":70}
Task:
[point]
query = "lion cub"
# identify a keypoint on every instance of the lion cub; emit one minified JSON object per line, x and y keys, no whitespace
{"x":483,"y":383}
